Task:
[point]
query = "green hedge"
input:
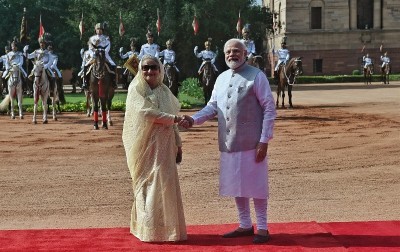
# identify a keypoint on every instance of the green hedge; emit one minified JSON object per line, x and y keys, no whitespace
{"x":340,"y":79}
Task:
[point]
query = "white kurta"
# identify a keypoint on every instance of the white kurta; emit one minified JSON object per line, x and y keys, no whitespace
{"x":240,"y":175}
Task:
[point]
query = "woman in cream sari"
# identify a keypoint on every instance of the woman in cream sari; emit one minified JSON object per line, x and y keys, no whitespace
{"x":153,"y":147}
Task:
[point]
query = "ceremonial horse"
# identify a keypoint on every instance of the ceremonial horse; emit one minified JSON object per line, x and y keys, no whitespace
{"x":41,"y":89}
{"x":15,"y":89}
{"x":256,"y":61}
{"x":368,"y":74}
{"x":170,"y":78}
{"x":101,"y":88}
{"x":208,"y":78}
{"x":286,"y":78}
{"x":385,"y":73}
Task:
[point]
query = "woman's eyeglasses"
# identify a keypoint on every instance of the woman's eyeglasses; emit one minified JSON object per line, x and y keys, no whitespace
{"x":148,"y":67}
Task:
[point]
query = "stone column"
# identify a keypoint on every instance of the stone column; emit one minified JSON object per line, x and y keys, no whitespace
{"x":353,"y":14}
{"x":377,"y":15}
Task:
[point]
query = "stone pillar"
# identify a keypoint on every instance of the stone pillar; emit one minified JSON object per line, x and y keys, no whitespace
{"x":377,"y":15}
{"x":353,"y":14}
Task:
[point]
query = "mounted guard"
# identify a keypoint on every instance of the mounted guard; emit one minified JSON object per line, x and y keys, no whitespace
{"x":207,"y":56}
{"x":14,"y":57}
{"x":132,"y":64}
{"x":101,"y":41}
{"x":171,"y":77}
{"x":283,"y":57}
{"x":368,"y":63}
{"x":150,"y":47}
{"x":41,"y":54}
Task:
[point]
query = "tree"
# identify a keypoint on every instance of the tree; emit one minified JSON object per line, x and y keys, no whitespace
{"x":61,"y":19}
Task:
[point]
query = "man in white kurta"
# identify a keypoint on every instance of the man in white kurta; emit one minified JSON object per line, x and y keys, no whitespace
{"x":244,"y":104}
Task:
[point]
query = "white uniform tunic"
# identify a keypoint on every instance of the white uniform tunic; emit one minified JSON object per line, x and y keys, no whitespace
{"x":283,"y":56}
{"x":128,"y":54}
{"x":251,"y":47}
{"x":53,"y":66}
{"x":152,"y":49}
{"x":206,"y":55}
{"x":14,"y":58}
{"x":385,"y":60}
{"x":42,"y":54}
{"x":102,"y":41}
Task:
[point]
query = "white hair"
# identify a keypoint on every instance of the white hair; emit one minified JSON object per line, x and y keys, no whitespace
{"x":235,"y":41}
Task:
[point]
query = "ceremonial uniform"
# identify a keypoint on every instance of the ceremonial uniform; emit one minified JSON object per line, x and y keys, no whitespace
{"x":283,"y":57}
{"x":152,"y":49}
{"x":250,"y":45}
{"x":169,"y":57}
{"x":385,"y":60}
{"x":43,"y":55}
{"x":205,"y":55}
{"x":128,"y":54}
{"x":101,"y":40}
{"x":367,"y":61}
{"x":14,"y":57}
{"x":53,"y":63}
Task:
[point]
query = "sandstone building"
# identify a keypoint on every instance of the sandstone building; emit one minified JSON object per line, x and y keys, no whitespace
{"x":333,"y":35}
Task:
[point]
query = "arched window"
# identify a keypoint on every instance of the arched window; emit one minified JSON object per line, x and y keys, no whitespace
{"x":365,"y":14}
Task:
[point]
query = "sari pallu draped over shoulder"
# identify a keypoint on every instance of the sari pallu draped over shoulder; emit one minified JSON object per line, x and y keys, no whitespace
{"x":151,"y":140}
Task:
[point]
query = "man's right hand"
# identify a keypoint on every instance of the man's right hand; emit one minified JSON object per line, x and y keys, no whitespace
{"x":186,"y":122}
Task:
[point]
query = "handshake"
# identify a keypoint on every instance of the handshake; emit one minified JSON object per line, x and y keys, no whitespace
{"x":184,"y":121}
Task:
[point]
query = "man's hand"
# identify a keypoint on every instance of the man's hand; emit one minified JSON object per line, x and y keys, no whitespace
{"x":186,"y":122}
{"x":261,"y":151}
{"x":179,"y":155}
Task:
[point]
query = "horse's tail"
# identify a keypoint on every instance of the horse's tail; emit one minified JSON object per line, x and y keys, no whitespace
{"x":4,"y":104}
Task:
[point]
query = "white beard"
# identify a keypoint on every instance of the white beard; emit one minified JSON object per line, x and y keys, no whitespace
{"x":234,"y":64}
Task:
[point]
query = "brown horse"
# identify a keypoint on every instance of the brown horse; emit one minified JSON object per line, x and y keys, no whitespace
{"x":368,"y":74}
{"x":208,"y":78}
{"x":385,"y":73}
{"x":286,"y":78}
{"x":170,"y":78}
{"x":101,"y":88}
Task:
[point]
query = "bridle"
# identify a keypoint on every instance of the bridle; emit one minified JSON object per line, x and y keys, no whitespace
{"x":98,"y":70}
{"x":297,"y":71}
{"x":208,"y":69}
{"x":15,"y":75}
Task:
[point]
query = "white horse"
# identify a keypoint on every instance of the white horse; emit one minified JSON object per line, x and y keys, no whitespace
{"x":41,"y":89}
{"x":15,"y":89}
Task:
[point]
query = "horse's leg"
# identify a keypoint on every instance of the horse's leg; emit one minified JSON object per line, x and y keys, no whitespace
{"x":53,"y":103}
{"x":45,"y":96}
{"x":283,"y":95}
{"x":103,"y":112}
{"x":35,"y":104}
{"x":278,"y":93}
{"x":95,"y":105}
{"x":88,"y":103}
{"x":289,"y":91}
{"x":21,"y":116}
{"x":109,"y":103}
{"x":11,"y":93}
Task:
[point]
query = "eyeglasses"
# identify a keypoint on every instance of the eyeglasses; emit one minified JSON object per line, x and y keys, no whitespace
{"x":148,"y":67}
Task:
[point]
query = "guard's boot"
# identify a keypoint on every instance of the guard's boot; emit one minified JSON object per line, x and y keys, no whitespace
{"x":85,"y":78}
{"x":114,"y":77}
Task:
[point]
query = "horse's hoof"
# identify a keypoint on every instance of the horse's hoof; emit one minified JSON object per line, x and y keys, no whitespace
{"x":12,"y":117}
{"x":105,"y":126}
{"x":55,"y":119}
{"x":110,"y":122}
{"x":96,"y":127}
{"x":21,"y":117}
{"x":45,"y":122}
{"x":34,"y":122}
